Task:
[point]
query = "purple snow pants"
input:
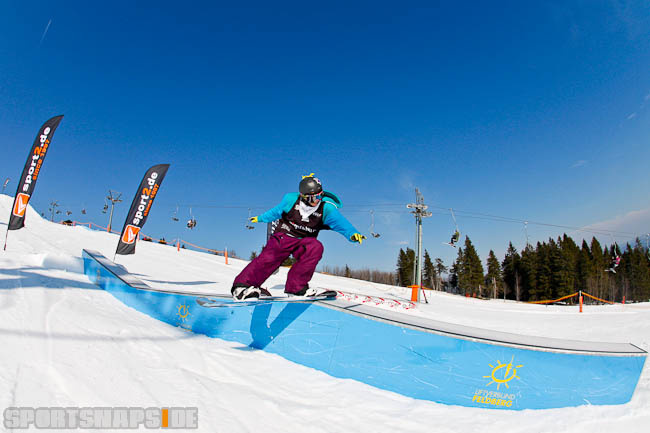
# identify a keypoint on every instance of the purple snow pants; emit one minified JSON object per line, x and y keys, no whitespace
{"x":306,"y":251}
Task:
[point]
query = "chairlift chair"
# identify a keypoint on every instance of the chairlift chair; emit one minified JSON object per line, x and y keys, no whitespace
{"x":455,"y":237}
{"x":191,"y":223}
{"x":248,"y":225}
{"x":372,"y":225}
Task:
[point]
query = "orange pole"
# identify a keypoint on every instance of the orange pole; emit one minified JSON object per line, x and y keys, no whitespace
{"x":226,"y":254}
{"x":580,"y":301}
{"x":178,"y":245}
{"x":623,"y":299}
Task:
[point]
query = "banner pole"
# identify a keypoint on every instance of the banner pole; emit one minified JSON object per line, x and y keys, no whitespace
{"x":7,"y":235}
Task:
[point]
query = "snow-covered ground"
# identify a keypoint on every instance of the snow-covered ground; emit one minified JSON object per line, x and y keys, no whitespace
{"x":65,"y":343}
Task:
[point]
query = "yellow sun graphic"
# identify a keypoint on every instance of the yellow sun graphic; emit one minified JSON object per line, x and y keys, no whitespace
{"x":510,"y":373}
{"x":183,"y":312}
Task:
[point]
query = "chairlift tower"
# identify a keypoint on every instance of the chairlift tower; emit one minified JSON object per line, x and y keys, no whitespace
{"x":420,"y":211}
{"x":53,"y":206}
{"x":113,"y":199}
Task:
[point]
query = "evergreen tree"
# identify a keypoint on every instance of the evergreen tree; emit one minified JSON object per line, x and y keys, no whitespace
{"x":440,"y":269}
{"x":636,"y":269}
{"x":571,"y":256}
{"x":472,"y":268}
{"x":429,"y":272}
{"x":510,"y":267}
{"x":460,"y":272}
{"x":584,"y":267}
{"x":493,"y":277}
{"x":599,"y":263}
{"x":453,"y":277}
{"x":544,"y":288}
{"x":528,"y":267}
{"x":559,"y":274}
{"x":405,"y":263}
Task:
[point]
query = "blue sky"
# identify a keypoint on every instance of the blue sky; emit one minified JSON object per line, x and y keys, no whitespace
{"x":535,"y":111}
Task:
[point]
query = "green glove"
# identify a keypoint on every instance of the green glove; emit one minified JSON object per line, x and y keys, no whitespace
{"x":254,"y":219}
{"x":357,"y":237}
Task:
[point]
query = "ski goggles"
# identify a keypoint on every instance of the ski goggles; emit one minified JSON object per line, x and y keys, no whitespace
{"x":312,"y":197}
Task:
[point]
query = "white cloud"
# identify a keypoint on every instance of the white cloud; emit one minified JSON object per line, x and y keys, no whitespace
{"x":631,"y":116}
{"x":579,"y":163}
{"x":623,"y":228}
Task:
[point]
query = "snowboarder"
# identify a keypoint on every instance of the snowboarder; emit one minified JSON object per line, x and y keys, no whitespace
{"x":302,"y":215}
{"x":615,"y":262}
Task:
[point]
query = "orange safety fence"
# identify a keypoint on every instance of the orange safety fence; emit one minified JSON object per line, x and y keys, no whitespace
{"x":554,"y":300}
{"x":570,"y":296}
{"x":597,"y":299}
{"x":143,"y":236}
{"x":90,"y":226}
{"x":202,"y":248}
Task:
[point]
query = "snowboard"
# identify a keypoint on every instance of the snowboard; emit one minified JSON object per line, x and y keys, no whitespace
{"x":216,"y":303}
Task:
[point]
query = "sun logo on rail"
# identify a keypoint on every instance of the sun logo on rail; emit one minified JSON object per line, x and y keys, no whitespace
{"x":183,"y":312}
{"x":509,"y":374}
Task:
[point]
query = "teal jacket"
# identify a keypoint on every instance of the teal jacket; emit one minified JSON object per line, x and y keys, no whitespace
{"x":332,"y":218}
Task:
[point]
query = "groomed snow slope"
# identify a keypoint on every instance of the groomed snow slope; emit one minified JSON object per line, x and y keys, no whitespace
{"x":65,"y":343}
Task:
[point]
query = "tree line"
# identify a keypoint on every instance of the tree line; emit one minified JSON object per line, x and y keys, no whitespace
{"x":549,"y":270}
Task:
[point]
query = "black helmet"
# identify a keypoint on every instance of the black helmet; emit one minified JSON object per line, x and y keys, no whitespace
{"x":310,"y":185}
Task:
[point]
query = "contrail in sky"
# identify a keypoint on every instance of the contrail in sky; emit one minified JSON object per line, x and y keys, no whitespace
{"x":45,"y":32}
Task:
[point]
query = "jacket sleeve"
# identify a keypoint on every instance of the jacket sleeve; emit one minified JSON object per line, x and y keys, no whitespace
{"x":337,"y":222}
{"x":276,"y":213}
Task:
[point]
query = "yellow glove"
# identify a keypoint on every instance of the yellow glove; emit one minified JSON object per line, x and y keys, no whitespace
{"x":309,"y":175}
{"x":254,"y":219}
{"x":357,"y":237}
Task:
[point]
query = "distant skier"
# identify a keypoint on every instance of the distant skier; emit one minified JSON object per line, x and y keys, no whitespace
{"x":302,"y":215}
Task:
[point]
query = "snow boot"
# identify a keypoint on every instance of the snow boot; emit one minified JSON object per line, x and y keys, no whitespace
{"x":241,"y":293}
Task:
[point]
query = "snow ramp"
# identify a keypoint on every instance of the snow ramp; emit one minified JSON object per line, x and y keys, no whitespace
{"x":412,"y":356}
